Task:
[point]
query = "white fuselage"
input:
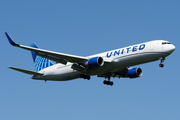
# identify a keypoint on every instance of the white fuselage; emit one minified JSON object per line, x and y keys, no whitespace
{"x":119,"y":58}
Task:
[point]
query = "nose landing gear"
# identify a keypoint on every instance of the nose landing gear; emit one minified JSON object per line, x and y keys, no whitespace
{"x":161,"y":65}
{"x":162,"y":60}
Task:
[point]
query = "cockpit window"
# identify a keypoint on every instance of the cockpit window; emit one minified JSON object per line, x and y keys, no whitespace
{"x":166,"y":43}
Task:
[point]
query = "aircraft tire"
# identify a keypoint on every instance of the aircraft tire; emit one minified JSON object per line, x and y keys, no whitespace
{"x":161,"y":65}
{"x":88,"y":77}
{"x":111,"y":83}
{"x":105,"y":82}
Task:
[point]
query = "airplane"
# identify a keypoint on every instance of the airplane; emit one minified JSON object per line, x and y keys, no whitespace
{"x":110,"y":64}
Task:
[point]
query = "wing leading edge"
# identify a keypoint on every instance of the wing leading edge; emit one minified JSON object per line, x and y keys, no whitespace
{"x":55,"y":56}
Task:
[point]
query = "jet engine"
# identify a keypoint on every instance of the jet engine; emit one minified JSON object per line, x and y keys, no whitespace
{"x":95,"y":62}
{"x":133,"y":73}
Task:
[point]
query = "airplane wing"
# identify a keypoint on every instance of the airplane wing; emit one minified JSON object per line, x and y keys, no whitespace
{"x":26,"y":71}
{"x":55,"y":56}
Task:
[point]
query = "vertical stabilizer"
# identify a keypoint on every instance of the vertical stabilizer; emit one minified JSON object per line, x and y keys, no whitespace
{"x":40,"y":62}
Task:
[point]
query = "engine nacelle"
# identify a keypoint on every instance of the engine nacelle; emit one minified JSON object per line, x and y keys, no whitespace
{"x":95,"y":62}
{"x":133,"y":73}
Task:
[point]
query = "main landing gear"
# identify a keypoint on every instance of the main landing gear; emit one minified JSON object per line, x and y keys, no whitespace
{"x":162,"y":60}
{"x":108,"y":82}
{"x":85,"y":77}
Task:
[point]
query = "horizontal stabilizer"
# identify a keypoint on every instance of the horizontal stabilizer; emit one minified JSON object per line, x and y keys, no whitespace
{"x":25,"y":71}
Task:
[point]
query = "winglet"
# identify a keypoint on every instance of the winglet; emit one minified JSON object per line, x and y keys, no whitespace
{"x":11,"y":40}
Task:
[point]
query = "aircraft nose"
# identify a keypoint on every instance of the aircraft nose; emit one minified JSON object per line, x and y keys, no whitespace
{"x":172,"y":48}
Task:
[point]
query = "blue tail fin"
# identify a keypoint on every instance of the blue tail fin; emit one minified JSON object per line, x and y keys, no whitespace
{"x":40,"y":62}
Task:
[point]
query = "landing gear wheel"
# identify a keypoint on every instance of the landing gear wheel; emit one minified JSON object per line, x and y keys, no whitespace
{"x":161,"y":65}
{"x":105,"y":82}
{"x":88,"y":77}
{"x":108,"y":83}
{"x":111,"y":83}
{"x":85,"y":77}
